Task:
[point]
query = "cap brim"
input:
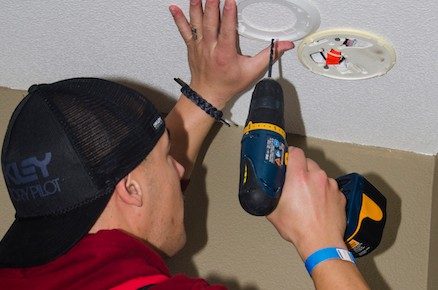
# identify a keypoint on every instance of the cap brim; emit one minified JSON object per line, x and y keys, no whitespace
{"x":36,"y":241}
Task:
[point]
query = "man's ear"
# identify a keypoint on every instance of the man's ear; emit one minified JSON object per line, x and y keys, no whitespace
{"x":129,"y":191}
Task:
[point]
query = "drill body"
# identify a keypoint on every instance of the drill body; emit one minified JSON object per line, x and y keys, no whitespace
{"x":264,"y":149}
{"x":263,"y":167}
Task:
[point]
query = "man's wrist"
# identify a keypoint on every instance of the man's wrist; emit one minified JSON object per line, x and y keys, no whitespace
{"x":305,"y":249}
{"x":201,"y":102}
{"x":326,"y":254}
{"x":210,"y":95}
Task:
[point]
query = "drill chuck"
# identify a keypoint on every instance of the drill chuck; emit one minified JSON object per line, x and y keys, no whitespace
{"x":267,"y":104}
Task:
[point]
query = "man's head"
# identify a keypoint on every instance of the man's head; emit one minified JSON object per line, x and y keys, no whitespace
{"x":148,"y":202}
{"x":68,"y":147}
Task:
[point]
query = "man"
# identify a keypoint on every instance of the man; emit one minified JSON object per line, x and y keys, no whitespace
{"x":94,"y":176}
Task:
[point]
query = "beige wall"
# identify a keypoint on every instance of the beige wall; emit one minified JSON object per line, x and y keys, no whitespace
{"x":227,"y":245}
{"x":9,"y":99}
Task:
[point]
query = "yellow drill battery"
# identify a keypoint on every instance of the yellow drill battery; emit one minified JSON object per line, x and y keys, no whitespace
{"x":366,"y":214}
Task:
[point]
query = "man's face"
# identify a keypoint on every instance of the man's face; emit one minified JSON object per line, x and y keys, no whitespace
{"x":160,"y":175}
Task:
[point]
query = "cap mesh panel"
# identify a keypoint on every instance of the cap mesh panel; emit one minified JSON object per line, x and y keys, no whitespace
{"x":109,"y":125}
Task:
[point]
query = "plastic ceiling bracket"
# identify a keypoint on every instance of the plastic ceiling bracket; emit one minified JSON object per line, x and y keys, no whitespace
{"x":306,"y":15}
{"x":347,"y":54}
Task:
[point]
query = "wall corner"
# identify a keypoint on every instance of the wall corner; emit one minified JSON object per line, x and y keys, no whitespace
{"x":433,"y":244}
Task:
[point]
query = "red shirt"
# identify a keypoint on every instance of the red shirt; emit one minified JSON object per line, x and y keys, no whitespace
{"x":100,"y":261}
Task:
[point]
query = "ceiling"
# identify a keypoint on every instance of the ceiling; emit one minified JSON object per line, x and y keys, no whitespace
{"x":136,"y":41}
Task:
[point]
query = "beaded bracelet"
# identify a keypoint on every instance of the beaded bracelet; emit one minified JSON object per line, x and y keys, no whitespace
{"x":201,"y":102}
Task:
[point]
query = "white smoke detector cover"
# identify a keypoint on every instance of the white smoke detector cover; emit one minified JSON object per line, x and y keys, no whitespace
{"x":347,"y":54}
{"x":279,"y":19}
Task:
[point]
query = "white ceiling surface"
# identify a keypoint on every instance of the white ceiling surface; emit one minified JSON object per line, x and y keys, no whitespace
{"x":44,"y":41}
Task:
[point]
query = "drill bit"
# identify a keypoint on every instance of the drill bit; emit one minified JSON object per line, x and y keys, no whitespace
{"x":271,"y":59}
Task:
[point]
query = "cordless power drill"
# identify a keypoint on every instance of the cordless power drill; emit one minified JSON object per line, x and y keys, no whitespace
{"x":263,"y":166}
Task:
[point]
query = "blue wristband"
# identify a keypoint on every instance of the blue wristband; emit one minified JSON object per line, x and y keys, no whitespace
{"x":327,"y":254}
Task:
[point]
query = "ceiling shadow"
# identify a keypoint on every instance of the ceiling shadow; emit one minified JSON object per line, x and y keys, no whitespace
{"x":292,"y":109}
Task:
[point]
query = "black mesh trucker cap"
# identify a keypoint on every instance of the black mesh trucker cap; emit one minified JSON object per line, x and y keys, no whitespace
{"x":66,"y":147}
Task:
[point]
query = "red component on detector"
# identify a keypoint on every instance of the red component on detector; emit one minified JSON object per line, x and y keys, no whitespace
{"x":334,"y":57}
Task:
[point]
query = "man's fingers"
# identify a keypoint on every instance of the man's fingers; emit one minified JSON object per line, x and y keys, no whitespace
{"x":297,"y":161}
{"x":211,"y":20}
{"x":312,"y":165}
{"x":281,"y":47}
{"x":228,"y":31}
{"x":196,"y":15}
{"x":333,"y":183}
{"x":181,"y":22}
